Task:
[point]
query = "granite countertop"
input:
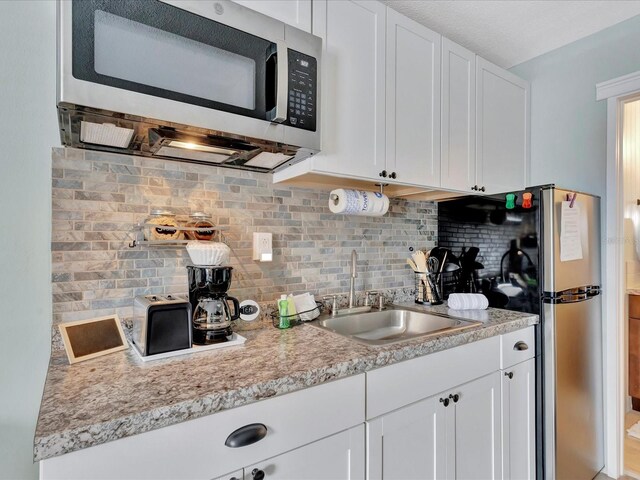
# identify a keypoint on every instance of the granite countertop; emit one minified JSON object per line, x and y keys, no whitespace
{"x":118,"y":395}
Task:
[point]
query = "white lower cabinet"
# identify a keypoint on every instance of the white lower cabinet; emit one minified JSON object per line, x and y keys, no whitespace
{"x":462,"y":413}
{"x":326,"y":418}
{"x":339,"y":456}
{"x":409,"y":443}
{"x":237,"y":475}
{"x":455,"y":434}
{"x":475,"y":447}
{"x":518,"y":421}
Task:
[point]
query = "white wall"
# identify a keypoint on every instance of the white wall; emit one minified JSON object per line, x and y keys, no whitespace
{"x":568,"y":126}
{"x":29,"y":129}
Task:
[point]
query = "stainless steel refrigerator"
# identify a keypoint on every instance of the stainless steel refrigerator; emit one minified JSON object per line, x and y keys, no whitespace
{"x":532,"y":275}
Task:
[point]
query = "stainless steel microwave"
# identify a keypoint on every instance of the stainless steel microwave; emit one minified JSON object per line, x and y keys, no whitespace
{"x":195,"y":80}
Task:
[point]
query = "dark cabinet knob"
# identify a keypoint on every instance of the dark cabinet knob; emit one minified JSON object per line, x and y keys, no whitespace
{"x":475,"y":188}
{"x":482,"y":189}
{"x":455,"y":397}
{"x":521,"y":346}
{"x":393,"y":175}
{"x":508,"y":374}
{"x":234,"y":478}
{"x":246,"y":435}
{"x":444,"y":401}
{"x":257,"y":474}
{"x":383,"y":173}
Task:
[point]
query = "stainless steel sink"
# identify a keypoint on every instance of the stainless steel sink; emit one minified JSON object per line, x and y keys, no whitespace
{"x":391,"y":326}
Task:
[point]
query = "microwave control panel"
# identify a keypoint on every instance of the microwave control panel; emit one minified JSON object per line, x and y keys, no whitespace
{"x":303,"y":84}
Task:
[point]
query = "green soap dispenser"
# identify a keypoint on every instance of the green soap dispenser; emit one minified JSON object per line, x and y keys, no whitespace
{"x":283,"y":312}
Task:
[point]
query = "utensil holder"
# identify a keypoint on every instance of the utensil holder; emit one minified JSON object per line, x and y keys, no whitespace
{"x":421,"y":286}
{"x":427,"y":289}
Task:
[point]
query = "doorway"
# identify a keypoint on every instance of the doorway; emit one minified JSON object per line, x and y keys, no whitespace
{"x":630,"y":155}
{"x":622,"y":210}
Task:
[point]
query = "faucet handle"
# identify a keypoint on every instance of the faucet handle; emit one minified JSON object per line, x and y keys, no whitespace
{"x":381,"y":303}
{"x":367,"y":294}
{"x":334,"y":303}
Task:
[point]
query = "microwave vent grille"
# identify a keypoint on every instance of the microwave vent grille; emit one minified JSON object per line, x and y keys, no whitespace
{"x":105,"y":134}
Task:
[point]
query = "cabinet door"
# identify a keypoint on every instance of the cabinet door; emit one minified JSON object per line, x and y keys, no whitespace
{"x":476,"y":429}
{"x":353,"y":87}
{"x":338,"y":456}
{"x":518,"y":421}
{"x":237,"y":475}
{"x":458,"y":167}
{"x":413,"y":101}
{"x":502,"y":136}
{"x":293,"y":12}
{"x":408,"y":443}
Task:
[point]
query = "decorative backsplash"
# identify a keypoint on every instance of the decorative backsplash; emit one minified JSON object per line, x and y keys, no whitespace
{"x":98,"y":198}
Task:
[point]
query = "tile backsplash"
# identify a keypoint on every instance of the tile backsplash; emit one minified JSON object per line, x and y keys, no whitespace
{"x":98,"y":198}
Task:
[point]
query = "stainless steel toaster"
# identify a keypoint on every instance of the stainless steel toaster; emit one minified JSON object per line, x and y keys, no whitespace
{"x":161,"y":323}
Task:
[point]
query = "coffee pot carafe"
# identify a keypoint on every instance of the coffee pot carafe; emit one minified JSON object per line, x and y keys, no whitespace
{"x":212,"y":315}
{"x":212,"y":319}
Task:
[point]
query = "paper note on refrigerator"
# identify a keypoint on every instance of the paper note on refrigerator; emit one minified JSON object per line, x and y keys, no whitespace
{"x":570,"y":229}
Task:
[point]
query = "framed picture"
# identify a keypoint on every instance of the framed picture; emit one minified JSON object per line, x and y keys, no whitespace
{"x":86,"y":339}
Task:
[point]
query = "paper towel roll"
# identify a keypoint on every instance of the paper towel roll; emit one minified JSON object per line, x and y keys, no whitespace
{"x":358,"y":202}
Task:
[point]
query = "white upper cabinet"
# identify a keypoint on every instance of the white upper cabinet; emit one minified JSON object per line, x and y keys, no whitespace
{"x":458,"y":167}
{"x":502,"y":129}
{"x":353,"y":87}
{"x":293,"y":12}
{"x":403,"y":105}
{"x":413,"y":101}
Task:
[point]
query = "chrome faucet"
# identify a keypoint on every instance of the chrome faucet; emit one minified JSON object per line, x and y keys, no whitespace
{"x":352,"y":308}
{"x":354,"y":275}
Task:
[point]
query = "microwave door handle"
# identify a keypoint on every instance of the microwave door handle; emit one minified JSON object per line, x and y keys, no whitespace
{"x":282,"y":92}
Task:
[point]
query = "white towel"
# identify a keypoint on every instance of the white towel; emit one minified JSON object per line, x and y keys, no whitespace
{"x":306,"y":302}
{"x":468,"y":301}
{"x":634,"y":430}
{"x":474,"y":315}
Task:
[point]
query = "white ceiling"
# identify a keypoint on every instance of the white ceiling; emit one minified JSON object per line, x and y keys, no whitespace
{"x":509,"y":32}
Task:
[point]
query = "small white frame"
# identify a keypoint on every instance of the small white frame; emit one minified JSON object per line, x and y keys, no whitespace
{"x":119,"y":340}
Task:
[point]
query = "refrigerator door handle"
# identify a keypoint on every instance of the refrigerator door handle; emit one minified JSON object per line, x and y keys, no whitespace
{"x":572,"y":295}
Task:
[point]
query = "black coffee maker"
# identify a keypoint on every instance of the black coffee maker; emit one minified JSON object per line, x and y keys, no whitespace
{"x":212,"y":316}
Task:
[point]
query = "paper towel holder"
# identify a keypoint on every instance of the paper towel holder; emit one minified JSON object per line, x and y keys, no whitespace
{"x":381,"y":185}
{"x":334,"y":197}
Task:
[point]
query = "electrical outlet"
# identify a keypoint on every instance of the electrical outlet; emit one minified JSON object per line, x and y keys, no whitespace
{"x":262,"y":247}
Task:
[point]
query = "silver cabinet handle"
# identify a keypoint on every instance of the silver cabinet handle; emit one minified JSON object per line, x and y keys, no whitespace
{"x":282,"y":78}
{"x":521,"y":346}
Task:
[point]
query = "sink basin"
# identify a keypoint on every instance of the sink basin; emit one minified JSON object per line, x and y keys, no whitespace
{"x":391,"y":326}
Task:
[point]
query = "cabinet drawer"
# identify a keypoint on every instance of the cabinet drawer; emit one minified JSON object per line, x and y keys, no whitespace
{"x":196,"y":449}
{"x":634,"y":306}
{"x":517,"y":347}
{"x":395,"y":386}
